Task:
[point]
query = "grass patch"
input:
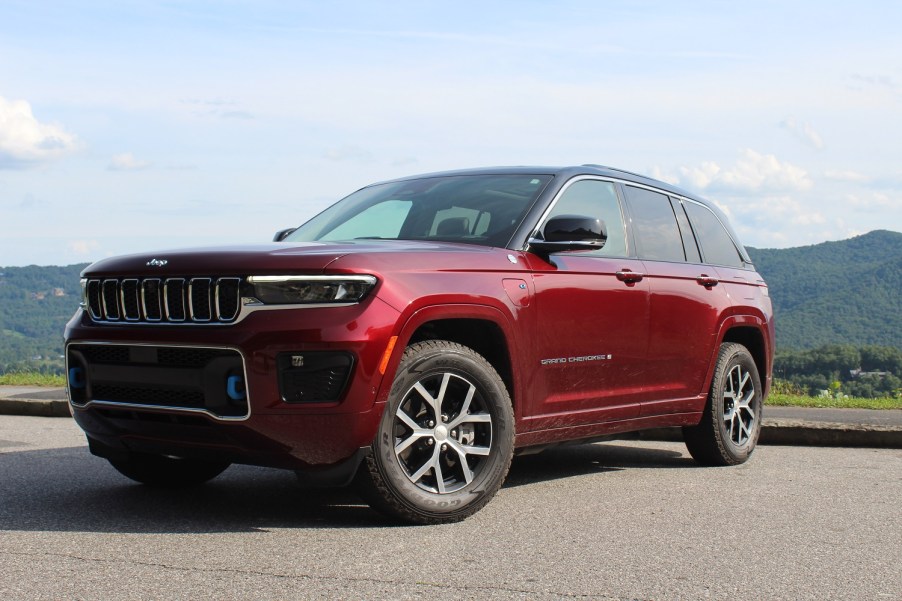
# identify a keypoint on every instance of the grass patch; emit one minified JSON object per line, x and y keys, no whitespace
{"x":796,"y":400}
{"x":26,"y":378}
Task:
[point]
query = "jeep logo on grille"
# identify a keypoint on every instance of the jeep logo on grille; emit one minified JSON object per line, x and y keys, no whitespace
{"x":157,"y":262}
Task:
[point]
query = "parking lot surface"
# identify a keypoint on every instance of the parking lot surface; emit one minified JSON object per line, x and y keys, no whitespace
{"x":619,"y":520}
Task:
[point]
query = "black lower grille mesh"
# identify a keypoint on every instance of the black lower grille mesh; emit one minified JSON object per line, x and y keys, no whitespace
{"x":149,"y":395}
{"x":174,"y":377}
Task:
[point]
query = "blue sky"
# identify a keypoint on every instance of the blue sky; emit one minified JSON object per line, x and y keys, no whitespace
{"x":133,"y":126}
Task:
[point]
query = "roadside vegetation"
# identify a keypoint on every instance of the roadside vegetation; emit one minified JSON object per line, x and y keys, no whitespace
{"x":792,"y":400}
{"x":840,"y":372}
{"x":31,"y":378}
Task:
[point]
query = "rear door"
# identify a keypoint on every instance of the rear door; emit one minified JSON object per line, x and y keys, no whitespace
{"x":685,"y":305}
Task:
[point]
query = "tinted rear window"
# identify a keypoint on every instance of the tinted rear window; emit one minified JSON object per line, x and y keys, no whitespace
{"x":716,"y":244}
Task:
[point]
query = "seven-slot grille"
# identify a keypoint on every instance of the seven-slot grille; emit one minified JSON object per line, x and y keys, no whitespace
{"x":164,"y":300}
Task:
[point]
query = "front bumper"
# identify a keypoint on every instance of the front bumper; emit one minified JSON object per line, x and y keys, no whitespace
{"x":274,"y":428}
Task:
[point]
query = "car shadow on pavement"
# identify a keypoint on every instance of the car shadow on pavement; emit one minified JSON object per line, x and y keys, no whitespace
{"x":68,"y":490}
{"x":583,"y":459}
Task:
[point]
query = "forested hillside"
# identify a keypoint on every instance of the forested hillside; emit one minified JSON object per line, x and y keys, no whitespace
{"x":35,"y":304}
{"x":836,"y":293}
{"x":846,"y":292}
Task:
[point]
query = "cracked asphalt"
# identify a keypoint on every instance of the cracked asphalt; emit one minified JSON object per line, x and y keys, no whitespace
{"x":621,"y":520}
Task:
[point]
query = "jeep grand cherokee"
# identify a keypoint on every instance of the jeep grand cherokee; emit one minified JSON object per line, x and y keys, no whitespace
{"x":415,"y":335}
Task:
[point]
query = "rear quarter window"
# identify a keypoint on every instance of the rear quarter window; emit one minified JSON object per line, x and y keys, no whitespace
{"x":716,"y":244}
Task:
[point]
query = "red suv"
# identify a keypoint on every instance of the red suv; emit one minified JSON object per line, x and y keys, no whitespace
{"x":415,"y":335}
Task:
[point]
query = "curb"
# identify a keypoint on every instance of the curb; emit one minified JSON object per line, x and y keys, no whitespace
{"x":774,"y":431}
{"x":806,"y":434}
{"x":35,"y":407}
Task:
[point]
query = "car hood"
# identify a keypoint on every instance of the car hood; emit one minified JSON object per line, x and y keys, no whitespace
{"x":273,"y":258}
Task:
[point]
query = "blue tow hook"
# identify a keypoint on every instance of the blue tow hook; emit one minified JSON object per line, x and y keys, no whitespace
{"x":235,"y":388}
{"x":76,"y":378}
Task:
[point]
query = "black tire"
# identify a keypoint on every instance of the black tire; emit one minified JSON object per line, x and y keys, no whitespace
{"x":168,"y":472}
{"x":731,"y":423}
{"x":438,"y":457}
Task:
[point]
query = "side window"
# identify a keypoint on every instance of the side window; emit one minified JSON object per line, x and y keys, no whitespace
{"x":383,"y":220}
{"x":689,"y":244}
{"x":655,"y":226}
{"x":595,"y":198}
{"x":717,"y":245}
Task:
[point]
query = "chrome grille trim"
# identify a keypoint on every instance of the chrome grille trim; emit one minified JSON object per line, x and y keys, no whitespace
{"x":198,"y":290}
{"x":110,"y":299}
{"x":151,"y":299}
{"x":231,"y":301}
{"x":128,"y":299}
{"x":174,"y":290}
{"x":199,"y":300}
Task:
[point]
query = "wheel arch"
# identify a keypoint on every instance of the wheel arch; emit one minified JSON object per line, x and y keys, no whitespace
{"x":748,"y":333}
{"x":478,"y":327}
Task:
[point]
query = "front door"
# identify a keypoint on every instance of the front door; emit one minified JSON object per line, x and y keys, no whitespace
{"x":592,"y":332}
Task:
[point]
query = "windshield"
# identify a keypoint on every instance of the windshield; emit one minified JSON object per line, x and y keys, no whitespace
{"x":474,"y":209}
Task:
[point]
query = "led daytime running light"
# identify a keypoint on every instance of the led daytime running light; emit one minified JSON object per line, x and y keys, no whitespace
{"x":302,"y":290}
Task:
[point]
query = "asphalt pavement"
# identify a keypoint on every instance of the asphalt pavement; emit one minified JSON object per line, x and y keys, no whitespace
{"x":616,"y":521}
{"x":782,"y":425}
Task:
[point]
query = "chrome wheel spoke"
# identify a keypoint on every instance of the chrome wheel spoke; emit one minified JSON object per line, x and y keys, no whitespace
{"x":427,"y":465}
{"x":417,"y":432}
{"x":476,"y":418}
{"x":465,"y":409}
{"x":439,"y":476}
{"x":405,"y":444}
{"x":464,"y":464}
{"x":407,"y":420}
{"x":434,"y":403}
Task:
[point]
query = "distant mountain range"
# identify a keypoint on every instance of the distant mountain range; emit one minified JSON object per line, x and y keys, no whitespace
{"x":35,"y":304}
{"x":846,"y":292}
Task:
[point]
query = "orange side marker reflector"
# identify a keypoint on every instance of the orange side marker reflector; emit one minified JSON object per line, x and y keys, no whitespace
{"x":387,"y":354}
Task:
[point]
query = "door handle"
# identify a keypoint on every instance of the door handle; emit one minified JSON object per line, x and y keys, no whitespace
{"x":707,"y":281}
{"x":629,"y":276}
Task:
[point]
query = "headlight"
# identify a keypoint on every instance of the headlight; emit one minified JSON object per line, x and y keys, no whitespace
{"x":311,"y":289}
{"x":84,"y":293}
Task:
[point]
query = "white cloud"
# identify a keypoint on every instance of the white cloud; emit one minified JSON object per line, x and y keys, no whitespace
{"x":839,"y":175}
{"x":804,"y":132}
{"x":126,"y":162}
{"x":24,"y":140}
{"x":876,"y":201}
{"x":700,"y":177}
{"x":779,"y":211}
{"x":84,"y":247}
{"x":755,"y":172}
{"x":752,"y":172}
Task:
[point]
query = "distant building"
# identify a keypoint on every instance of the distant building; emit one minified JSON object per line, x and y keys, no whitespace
{"x":59,"y":292}
{"x":857,"y":373}
{"x":38,"y":295}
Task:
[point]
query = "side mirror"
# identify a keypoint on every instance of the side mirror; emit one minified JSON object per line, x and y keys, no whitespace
{"x":282,"y":234}
{"x":570,"y":232}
